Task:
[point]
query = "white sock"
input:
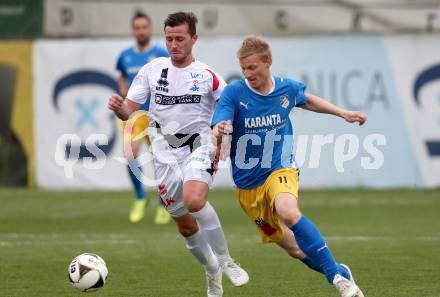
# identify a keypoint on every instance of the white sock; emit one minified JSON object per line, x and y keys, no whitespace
{"x":201,"y":250}
{"x":211,"y":228}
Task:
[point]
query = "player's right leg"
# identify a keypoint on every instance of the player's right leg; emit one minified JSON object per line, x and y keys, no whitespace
{"x":170,"y":190}
{"x":141,"y":200}
{"x":307,"y":235}
{"x":289,"y":244}
{"x":135,"y":135}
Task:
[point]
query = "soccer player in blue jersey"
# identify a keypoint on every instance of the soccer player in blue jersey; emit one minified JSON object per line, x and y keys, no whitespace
{"x":129,"y":63}
{"x":256,"y":112}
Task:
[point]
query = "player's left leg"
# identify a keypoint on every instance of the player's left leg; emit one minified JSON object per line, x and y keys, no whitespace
{"x":200,"y":249}
{"x":195,"y":197}
{"x":198,"y":177}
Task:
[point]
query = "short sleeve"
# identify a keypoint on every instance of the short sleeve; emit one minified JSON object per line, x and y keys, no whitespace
{"x":300,"y":97}
{"x":139,"y":90}
{"x":225,"y":107}
{"x":218,"y":84}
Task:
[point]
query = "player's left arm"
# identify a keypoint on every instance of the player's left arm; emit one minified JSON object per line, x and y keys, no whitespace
{"x":318,"y":104}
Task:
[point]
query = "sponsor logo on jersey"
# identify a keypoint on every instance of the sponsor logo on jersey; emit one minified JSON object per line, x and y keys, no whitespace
{"x":162,"y":82}
{"x":263,"y":121}
{"x":171,"y":100}
{"x":196,"y":75}
{"x":195,"y":87}
{"x":245,"y":105}
{"x":163,"y":78}
{"x":284,"y":101}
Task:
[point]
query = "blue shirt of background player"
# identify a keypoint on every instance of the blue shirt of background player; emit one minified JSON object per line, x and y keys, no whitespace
{"x":130,"y":61}
{"x":262,"y":139}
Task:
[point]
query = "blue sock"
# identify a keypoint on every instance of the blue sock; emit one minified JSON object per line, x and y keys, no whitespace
{"x":343,"y":271}
{"x":139,"y":191}
{"x":314,"y":266}
{"x":312,"y":243}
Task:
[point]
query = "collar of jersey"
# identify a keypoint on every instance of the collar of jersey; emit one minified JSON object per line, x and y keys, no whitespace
{"x":256,"y":92}
{"x":181,"y":69}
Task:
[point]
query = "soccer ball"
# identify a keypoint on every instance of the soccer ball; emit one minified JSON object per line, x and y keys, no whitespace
{"x":87,"y":272}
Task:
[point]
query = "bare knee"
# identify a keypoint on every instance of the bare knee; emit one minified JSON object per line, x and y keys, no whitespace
{"x":194,"y":203}
{"x":195,"y":195}
{"x":187,"y":225}
{"x":290,"y":217}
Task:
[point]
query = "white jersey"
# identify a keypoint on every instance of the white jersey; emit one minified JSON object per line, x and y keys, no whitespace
{"x":182,"y":99}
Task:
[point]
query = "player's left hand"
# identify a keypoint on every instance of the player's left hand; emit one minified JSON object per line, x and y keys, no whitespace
{"x":355,"y":116}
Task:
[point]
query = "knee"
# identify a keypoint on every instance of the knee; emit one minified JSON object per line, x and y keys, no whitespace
{"x":188,"y":229}
{"x":193,"y":201}
{"x":289,"y":216}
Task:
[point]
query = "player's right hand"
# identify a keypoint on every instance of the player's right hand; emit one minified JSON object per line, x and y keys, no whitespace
{"x":223,"y":128}
{"x":115,"y":102}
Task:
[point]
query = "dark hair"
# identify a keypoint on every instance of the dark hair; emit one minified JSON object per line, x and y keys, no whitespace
{"x":140,"y":15}
{"x":180,"y":18}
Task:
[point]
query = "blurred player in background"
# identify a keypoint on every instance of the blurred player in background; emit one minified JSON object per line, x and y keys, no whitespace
{"x":256,"y":111}
{"x":129,"y":63}
{"x":184,"y":92}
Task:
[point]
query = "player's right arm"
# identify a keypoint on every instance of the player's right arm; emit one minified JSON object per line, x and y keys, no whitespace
{"x":122,"y":108}
{"x":137,"y":94}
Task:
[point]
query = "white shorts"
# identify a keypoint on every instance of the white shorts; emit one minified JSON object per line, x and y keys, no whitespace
{"x":175,"y":166}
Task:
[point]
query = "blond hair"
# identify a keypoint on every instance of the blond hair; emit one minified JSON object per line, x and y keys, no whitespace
{"x":254,"y":45}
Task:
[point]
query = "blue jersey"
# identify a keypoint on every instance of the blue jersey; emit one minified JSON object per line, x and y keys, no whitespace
{"x":262,"y":139}
{"x":130,"y":61}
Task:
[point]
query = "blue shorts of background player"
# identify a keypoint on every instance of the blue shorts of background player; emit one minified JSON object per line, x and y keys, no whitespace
{"x":255,"y":111}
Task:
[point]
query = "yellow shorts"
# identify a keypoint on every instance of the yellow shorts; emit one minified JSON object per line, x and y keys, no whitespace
{"x":136,"y":128}
{"x":258,"y":203}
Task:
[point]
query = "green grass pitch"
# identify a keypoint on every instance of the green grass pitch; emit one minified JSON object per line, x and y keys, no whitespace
{"x":390,"y":239}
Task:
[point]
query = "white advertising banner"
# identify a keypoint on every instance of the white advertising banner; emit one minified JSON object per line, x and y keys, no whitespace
{"x":78,"y":139}
{"x":393,"y":80}
{"x":415,"y":62}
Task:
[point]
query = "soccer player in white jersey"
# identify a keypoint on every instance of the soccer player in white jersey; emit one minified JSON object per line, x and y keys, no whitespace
{"x":183,"y":94}
{"x":256,"y":111}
